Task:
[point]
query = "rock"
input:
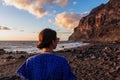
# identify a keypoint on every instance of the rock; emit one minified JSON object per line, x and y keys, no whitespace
{"x":99,"y":62}
{"x":21,"y":52}
{"x":102,"y":24}
{"x":6,"y":60}
{"x":15,"y":77}
{"x":10,"y":57}
{"x":2,"y":51}
{"x":22,"y":57}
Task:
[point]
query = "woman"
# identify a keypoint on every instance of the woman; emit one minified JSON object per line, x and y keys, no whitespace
{"x":46,"y":65}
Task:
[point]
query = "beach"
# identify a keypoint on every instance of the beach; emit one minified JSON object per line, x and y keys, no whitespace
{"x":96,"y":61}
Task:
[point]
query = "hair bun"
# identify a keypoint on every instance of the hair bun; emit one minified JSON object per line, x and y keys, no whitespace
{"x":40,"y":45}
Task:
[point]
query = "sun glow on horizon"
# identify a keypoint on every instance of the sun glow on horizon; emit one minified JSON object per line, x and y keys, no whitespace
{"x":11,"y":35}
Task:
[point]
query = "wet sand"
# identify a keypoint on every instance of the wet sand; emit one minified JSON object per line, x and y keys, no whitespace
{"x":98,"y":61}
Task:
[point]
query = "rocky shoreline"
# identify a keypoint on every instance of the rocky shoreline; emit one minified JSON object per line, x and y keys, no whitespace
{"x":98,"y":61}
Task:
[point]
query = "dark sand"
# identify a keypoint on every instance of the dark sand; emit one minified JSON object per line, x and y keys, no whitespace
{"x":98,"y":61}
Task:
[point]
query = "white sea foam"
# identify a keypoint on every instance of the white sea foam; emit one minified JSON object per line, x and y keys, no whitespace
{"x":70,"y":45}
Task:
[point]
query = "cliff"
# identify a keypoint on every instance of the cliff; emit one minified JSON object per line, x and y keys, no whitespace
{"x":102,"y":24}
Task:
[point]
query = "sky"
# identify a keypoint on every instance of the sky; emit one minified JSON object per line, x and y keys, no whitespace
{"x":24,"y":19}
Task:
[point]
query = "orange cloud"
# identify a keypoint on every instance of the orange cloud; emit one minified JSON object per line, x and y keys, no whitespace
{"x":62,"y":2}
{"x":68,"y":20}
{"x":35,"y":7}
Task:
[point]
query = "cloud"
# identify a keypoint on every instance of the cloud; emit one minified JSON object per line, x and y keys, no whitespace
{"x":68,"y":20}
{"x":62,"y":2}
{"x":64,"y":35}
{"x":7,"y":28}
{"x":49,"y":20}
{"x":35,"y":7}
{"x":4,"y":28}
{"x":70,"y":32}
{"x":74,"y":3}
{"x":21,"y":30}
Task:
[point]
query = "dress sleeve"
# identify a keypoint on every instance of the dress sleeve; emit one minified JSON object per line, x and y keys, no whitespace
{"x":67,"y":72}
{"x":24,"y":71}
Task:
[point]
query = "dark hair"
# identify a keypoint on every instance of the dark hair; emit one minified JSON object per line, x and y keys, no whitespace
{"x":46,"y":37}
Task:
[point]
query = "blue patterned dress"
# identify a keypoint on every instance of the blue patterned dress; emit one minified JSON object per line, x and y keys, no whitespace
{"x":46,"y":67}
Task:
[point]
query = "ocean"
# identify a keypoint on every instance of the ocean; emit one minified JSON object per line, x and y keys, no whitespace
{"x":30,"y":46}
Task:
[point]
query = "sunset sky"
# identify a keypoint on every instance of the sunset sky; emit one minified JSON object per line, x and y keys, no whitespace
{"x":24,"y":19}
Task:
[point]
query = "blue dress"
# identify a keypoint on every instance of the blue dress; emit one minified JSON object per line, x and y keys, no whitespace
{"x":46,"y":67}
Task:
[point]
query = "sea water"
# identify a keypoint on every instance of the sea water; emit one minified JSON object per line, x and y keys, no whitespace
{"x":30,"y":46}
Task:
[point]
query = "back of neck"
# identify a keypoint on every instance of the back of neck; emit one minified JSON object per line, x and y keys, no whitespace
{"x":47,"y":50}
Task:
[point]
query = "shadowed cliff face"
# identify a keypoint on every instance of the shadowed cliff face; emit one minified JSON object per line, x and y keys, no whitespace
{"x":102,"y":24}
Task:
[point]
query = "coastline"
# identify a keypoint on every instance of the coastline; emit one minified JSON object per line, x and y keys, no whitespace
{"x":99,"y":61}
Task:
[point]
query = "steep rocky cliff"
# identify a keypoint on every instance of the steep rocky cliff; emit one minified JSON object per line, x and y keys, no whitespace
{"x":102,"y":24}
